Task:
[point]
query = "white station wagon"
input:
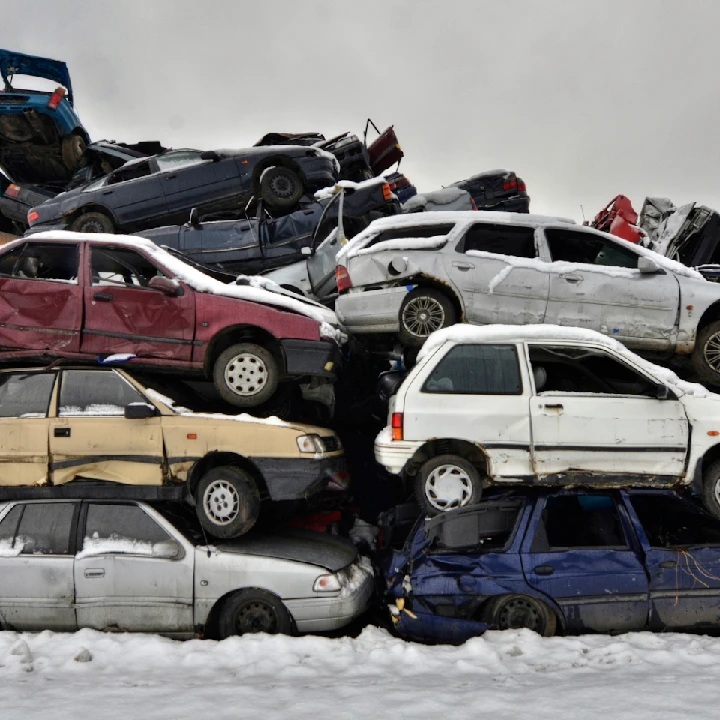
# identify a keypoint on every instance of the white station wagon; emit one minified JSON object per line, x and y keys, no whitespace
{"x":546,"y":405}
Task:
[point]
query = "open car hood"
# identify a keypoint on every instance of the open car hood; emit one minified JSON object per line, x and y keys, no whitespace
{"x":14,"y":63}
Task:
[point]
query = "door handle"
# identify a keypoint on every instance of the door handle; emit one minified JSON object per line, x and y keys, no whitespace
{"x":544,"y":570}
{"x":464,"y":266}
{"x":103,"y":297}
{"x":668,"y":564}
{"x":572,"y":278}
{"x":107,"y":192}
{"x":94,"y":573}
{"x":171,"y":177}
{"x":62,"y":432}
{"x":554,"y":407}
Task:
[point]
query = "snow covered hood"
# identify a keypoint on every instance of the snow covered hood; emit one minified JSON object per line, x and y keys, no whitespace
{"x":461,"y":334}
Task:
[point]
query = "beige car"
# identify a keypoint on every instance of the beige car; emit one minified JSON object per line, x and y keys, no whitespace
{"x":62,"y":425}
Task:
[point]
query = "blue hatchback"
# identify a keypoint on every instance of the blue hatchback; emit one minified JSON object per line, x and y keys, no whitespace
{"x":42,"y":140}
{"x":570,"y":561}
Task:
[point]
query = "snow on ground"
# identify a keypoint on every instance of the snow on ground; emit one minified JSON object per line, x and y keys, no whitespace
{"x":508,"y":675}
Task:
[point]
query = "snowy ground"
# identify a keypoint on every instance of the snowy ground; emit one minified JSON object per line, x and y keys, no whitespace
{"x":513,"y":674}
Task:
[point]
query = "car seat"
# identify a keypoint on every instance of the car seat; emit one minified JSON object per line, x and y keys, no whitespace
{"x":540,"y":377}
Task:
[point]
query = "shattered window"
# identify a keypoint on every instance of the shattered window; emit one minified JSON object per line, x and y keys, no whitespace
{"x":125,"y":529}
{"x":25,"y":395}
{"x":512,"y":240}
{"x":477,"y":370}
{"x":121,"y":266}
{"x":45,"y":528}
{"x":8,"y":530}
{"x":578,"y":521}
{"x":95,"y":392}
{"x":669,"y":522}
{"x":38,"y":261}
{"x":130,"y":171}
{"x":584,"y":370}
{"x":589,"y":248}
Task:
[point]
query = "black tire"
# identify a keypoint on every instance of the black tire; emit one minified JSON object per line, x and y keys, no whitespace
{"x":511,"y":612}
{"x":227,"y":502}
{"x":423,"y":311}
{"x":253,"y":611}
{"x":706,"y":354}
{"x":281,"y":187}
{"x":93,"y":222}
{"x":246,"y":375}
{"x":447,"y":482}
{"x":711,"y":489}
{"x":73,"y":151}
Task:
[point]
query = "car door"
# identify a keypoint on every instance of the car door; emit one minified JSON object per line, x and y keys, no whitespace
{"x":595,"y":284}
{"x":228,"y":244}
{"x":682,"y":554}
{"x":577,"y":552}
{"x":593,"y":413}
{"x":497,"y":269}
{"x":91,"y":438}
{"x":36,"y":565}
{"x":40,"y":298}
{"x":24,"y":403}
{"x":132,"y":572}
{"x":123,"y":314}
{"x":475,"y":393}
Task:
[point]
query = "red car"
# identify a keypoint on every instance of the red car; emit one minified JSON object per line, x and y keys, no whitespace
{"x":88,"y":297}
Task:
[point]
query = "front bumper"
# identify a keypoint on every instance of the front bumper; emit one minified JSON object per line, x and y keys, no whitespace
{"x":394,"y":457}
{"x":319,"y":172}
{"x":300,"y":478}
{"x":319,"y":358}
{"x":372,"y":311}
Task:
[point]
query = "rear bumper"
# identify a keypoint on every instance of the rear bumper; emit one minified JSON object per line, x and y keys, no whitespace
{"x":394,"y":457}
{"x":372,"y":311}
{"x":300,"y":478}
{"x":311,"y":357}
{"x":318,"y":171}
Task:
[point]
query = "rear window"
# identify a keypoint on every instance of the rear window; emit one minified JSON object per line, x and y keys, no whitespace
{"x":419,"y":231}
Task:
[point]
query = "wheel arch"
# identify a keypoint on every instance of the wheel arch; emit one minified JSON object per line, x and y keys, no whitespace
{"x":219,"y":459}
{"x":428,"y":281}
{"x":447,"y":446}
{"x":530,"y":592}
{"x":275,"y":160}
{"x":90,"y":207}
{"x":710,"y":314}
{"x":242,"y":333}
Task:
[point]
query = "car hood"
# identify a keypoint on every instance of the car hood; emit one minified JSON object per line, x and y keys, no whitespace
{"x":14,"y":63}
{"x":305,"y":546}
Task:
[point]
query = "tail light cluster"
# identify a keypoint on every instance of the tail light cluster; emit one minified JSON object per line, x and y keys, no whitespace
{"x":397,"y":426}
{"x":342,"y":278}
{"x":33,"y":215}
{"x":387,"y":192}
{"x":514,"y":184}
{"x":13,"y":190}
{"x":56,"y":98}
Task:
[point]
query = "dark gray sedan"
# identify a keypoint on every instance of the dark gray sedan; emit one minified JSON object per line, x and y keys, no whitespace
{"x":114,"y":565}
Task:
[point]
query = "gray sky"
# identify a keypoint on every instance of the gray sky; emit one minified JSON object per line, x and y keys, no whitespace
{"x":584,"y":99}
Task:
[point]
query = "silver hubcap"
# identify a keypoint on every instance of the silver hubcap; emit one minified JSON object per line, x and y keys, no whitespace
{"x":246,"y":374}
{"x":717,"y":491}
{"x":711,"y":352}
{"x":422,"y":316}
{"x":447,"y":487}
{"x":221,"y":502}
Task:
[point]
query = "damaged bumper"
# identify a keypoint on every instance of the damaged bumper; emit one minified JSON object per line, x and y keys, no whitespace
{"x":372,"y":311}
{"x":311,"y":357}
{"x":432,"y":628}
{"x":394,"y":457}
{"x":318,"y":171}
{"x":299,"y":478}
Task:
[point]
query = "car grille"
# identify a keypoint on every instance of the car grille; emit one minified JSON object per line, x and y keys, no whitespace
{"x":331,"y":443}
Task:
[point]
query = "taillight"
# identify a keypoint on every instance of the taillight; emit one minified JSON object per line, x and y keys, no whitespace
{"x":56,"y":98}
{"x":13,"y":190}
{"x":473,"y":204}
{"x":510,"y":185}
{"x":521,"y":186}
{"x":387,"y":192}
{"x":342,"y":278}
{"x":33,"y":215}
{"x":397,"y":426}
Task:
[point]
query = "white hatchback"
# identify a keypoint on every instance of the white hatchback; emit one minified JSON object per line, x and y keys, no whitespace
{"x":546,"y":405}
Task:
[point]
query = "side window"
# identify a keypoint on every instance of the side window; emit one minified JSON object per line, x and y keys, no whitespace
{"x":580,"y":370}
{"x":8,"y":531}
{"x":45,"y":528}
{"x":130,"y":171}
{"x":39,"y":261}
{"x":95,"y":392}
{"x":578,"y":521}
{"x":500,"y":239}
{"x":177,"y":160}
{"x":25,"y":395}
{"x":411,"y":233}
{"x":121,"y":266}
{"x":122,"y":529}
{"x":586,"y":247}
{"x":477,"y":370}
{"x":669,"y":522}
{"x":8,"y":260}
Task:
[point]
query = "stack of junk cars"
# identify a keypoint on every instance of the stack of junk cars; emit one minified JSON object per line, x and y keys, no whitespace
{"x":198,"y":349}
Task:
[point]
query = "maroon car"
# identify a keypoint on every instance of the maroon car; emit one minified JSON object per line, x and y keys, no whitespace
{"x":88,"y":297}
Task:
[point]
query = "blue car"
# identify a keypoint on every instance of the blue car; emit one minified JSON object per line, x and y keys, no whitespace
{"x":565,"y":561}
{"x":42,"y":140}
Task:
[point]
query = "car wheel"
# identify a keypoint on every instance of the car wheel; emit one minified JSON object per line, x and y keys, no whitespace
{"x":423,"y":311}
{"x":280,"y":187}
{"x":512,"y":612}
{"x":227,"y":502}
{"x":254,"y":611}
{"x":711,"y":489}
{"x":447,"y":482}
{"x":93,"y":222}
{"x":246,"y":375}
{"x":73,"y":151}
{"x":706,"y":354}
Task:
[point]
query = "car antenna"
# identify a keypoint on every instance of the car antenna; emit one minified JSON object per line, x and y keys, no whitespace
{"x":583,"y":213}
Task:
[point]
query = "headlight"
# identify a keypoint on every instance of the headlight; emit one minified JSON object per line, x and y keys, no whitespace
{"x":310,"y":444}
{"x":328,"y":583}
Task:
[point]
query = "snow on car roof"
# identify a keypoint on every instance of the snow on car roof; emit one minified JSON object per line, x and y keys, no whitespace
{"x":200,"y":282}
{"x":466,"y":334}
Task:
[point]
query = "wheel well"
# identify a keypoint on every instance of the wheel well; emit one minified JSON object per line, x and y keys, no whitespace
{"x":708,"y":459}
{"x":218,"y":459}
{"x":242,"y":333}
{"x":479,"y":609}
{"x":444,"y":288}
{"x":710,"y":315}
{"x":281,"y":160}
{"x":444,"y":446}
{"x":75,"y":214}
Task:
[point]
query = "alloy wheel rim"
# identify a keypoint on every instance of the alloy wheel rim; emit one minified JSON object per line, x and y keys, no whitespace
{"x":246,"y":374}
{"x":221,"y":502}
{"x":423,"y":315}
{"x":519,"y":613}
{"x":448,"y":487}
{"x":711,"y":352}
{"x":255,"y":617}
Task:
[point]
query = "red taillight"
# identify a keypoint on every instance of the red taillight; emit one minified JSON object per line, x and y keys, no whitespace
{"x":510,"y":185}
{"x":56,"y":98}
{"x":342,"y":278}
{"x":33,"y":215}
{"x":13,"y":190}
{"x":397,"y":426}
{"x":521,"y":186}
{"x":387,"y":192}
{"x":473,"y":204}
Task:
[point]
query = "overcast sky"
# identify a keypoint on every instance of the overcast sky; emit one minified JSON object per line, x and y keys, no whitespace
{"x":584,"y":99}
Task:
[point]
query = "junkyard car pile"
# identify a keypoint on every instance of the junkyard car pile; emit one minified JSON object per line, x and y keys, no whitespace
{"x":558,"y":480}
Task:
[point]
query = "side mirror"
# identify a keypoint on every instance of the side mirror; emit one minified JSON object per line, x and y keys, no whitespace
{"x":306,"y":251}
{"x":647,"y":266}
{"x":210,"y":155}
{"x":139,"y":411}
{"x":166,"y":285}
{"x":194,"y":220}
{"x":167,"y":549}
{"x":662,"y":392}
